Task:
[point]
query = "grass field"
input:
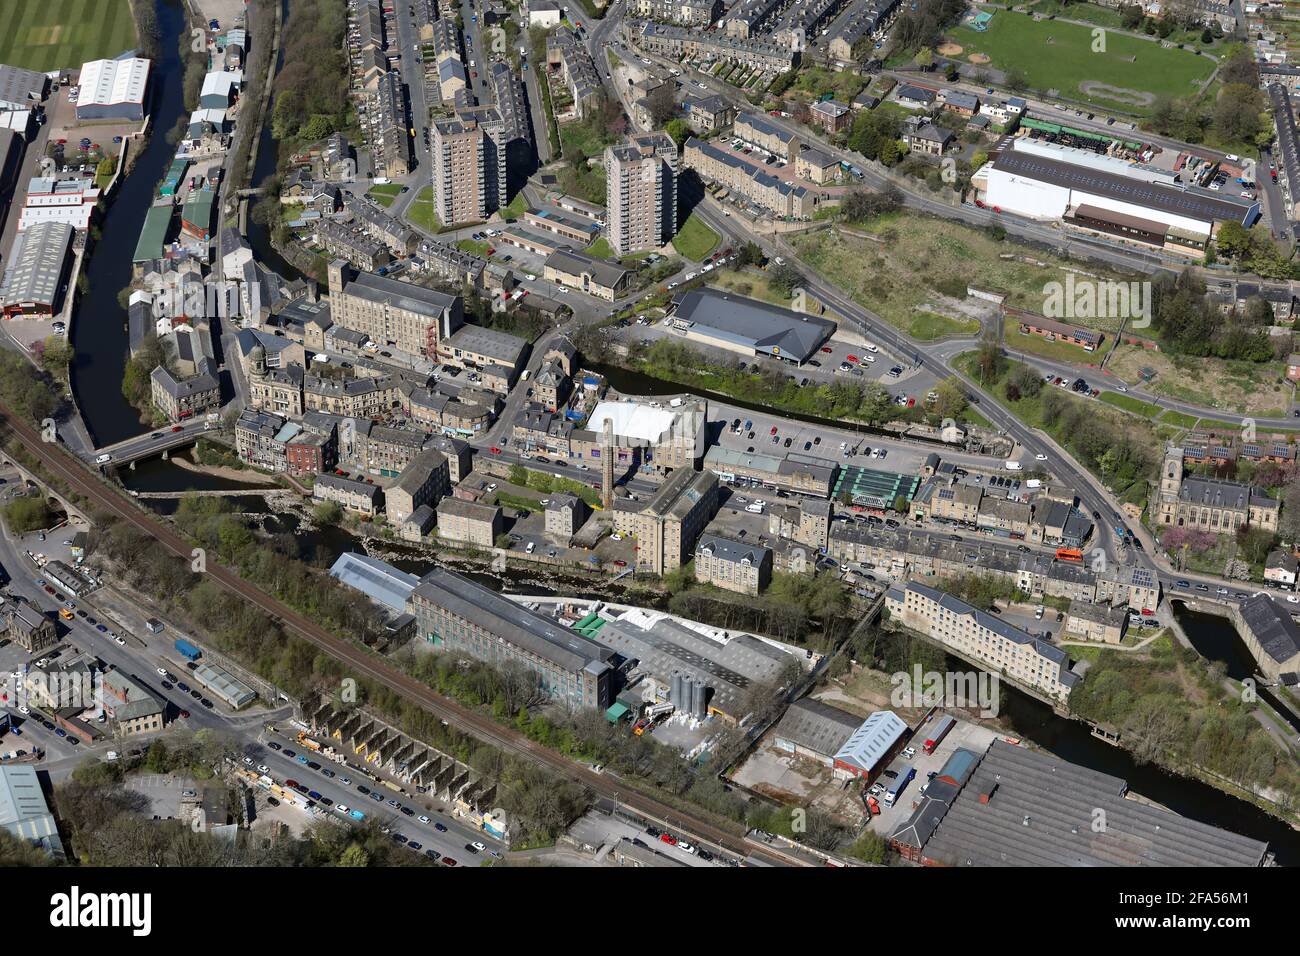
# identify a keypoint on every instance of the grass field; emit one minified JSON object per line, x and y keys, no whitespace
{"x":1054,"y":55}
{"x":695,"y":240}
{"x":600,"y":249}
{"x":927,"y":326}
{"x":1178,"y":419}
{"x":48,"y":35}
{"x":384,"y":195}
{"x":421,"y":212}
{"x":1130,"y":404}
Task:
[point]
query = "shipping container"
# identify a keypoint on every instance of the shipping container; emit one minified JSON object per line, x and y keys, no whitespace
{"x":187,"y":650}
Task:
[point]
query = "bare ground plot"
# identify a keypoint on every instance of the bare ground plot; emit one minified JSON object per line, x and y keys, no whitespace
{"x":907,"y":268}
{"x":800,"y":781}
{"x":1242,"y":387}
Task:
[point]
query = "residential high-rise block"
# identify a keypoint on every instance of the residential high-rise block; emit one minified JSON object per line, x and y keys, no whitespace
{"x":641,"y":192}
{"x":469,"y":165}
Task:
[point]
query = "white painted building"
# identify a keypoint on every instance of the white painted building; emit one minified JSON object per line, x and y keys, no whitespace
{"x":66,"y":200}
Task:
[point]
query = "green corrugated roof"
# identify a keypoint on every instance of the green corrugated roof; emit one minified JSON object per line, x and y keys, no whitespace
{"x":616,"y":713}
{"x":198,"y":208}
{"x":156,"y":223}
{"x":589,"y":625}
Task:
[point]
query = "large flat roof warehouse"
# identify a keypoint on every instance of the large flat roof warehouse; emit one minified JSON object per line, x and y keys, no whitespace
{"x":112,"y":82}
{"x":733,"y":321}
{"x":23,"y":810}
{"x":36,"y":268}
{"x":1025,"y":808}
{"x":1190,"y":202}
{"x":21,"y":89}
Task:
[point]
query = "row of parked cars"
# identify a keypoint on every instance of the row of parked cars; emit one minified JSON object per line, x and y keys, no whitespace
{"x":377,"y":796}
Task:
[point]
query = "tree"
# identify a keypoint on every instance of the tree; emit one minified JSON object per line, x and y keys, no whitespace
{"x":327,"y":513}
{"x":951,"y":401}
{"x":1016,"y":81}
{"x":785,"y":278}
{"x":679,"y":130}
{"x":1288,"y":523}
{"x":660,"y":104}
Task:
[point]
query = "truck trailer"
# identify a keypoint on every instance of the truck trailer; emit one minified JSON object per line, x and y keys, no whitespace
{"x":938,"y":732}
{"x":187,"y":650}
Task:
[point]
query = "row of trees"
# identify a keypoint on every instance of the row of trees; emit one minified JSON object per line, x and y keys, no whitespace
{"x":311,"y":89}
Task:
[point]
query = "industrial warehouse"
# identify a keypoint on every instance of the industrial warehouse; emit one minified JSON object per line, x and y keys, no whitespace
{"x":1105,"y":194}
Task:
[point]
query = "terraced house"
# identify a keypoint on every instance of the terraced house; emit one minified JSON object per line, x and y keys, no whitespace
{"x":687,"y":13}
{"x":732,"y":565}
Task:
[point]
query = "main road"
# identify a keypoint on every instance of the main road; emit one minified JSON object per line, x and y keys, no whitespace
{"x":77,"y":478}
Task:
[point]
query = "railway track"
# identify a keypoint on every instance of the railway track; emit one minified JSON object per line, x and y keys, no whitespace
{"x":75,"y":474}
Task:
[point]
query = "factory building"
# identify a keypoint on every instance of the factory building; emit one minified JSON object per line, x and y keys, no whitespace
{"x":1103,"y":194}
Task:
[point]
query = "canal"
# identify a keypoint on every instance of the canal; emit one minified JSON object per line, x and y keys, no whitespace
{"x":268,"y":152}
{"x":99,"y":334}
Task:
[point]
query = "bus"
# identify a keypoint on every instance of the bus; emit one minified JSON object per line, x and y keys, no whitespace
{"x":1069,"y":554}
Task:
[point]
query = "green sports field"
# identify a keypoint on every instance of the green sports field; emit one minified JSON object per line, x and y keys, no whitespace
{"x":1128,"y":75}
{"x":49,"y":35}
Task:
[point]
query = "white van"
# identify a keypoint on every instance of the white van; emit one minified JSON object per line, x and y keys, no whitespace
{"x":1012,"y":465}
{"x":755,"y":508}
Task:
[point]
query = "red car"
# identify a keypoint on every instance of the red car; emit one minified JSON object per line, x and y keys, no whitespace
{"x":177,"y":428}
{"x":668,"y":838}
{"x":620,"y":564}
{"x":911,"y":402}
{"x":291,"y":784}
{"x":850,"y":358}
{"x":448,"y":861}
{"x":827,"y":349}
{"x":495,"y":450}
{"x":185,"y":713}
{"x":773,"y":431}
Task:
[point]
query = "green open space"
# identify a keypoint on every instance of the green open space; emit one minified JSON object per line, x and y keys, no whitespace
{"x":601,"y":249}
{"x":900,"y":265}
{"x":421,"y":212}
{"x":384,"y":194}
{"x":47,"y":35}
{"x":928,"y":326}
{"x":695,"y":240}
{"x":1131,"y":404}
{"x":1172,"y":417}
{"x":1054,"y":55}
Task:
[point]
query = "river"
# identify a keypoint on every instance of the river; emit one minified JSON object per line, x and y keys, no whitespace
{"x":99,"y":335}
{"x":1022,"y":716}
